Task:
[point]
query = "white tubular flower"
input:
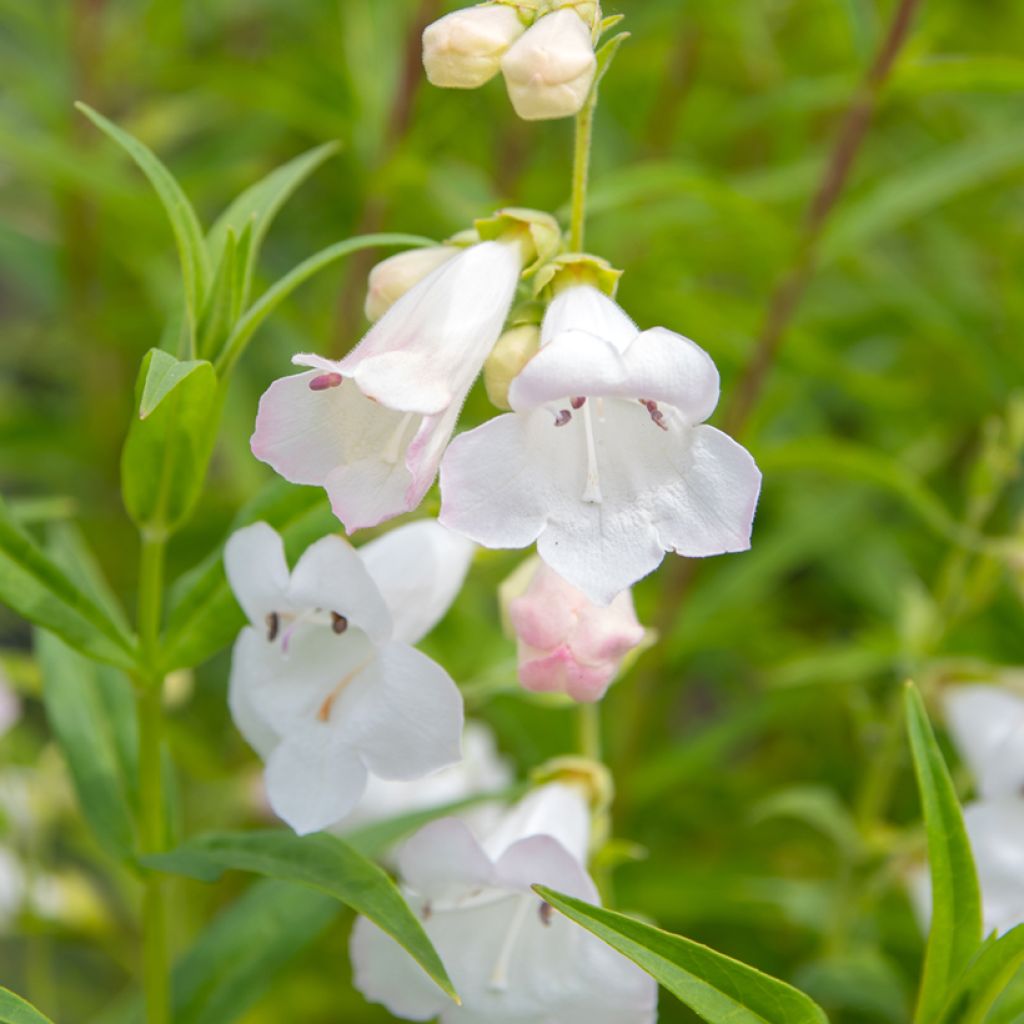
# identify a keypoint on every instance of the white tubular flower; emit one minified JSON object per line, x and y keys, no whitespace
{"x":371,"y":428}
{"x":510,"y":957}
{"x":605,"y":461}
{"x":987,"y":725}
{"x":549,"y":71}
{"x":392,"y":278}
{"x":324,"y":685}
{"x":463,"y":50}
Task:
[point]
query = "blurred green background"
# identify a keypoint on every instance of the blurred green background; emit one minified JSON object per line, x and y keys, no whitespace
{"x":758,"y":758}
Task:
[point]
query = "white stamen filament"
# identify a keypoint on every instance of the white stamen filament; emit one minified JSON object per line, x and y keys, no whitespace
{"x":592,"y":488}
{"x":328,"y":705}
{"x":499,"y":976}
{"x":393,"y":448}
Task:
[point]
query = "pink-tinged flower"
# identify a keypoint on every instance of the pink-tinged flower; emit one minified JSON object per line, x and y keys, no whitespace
{"x":372,"y":427}
{"x":510,"y":957}
{"x":324,"y":683}
{"x":463,"y":50}
{"x":605,"y":461}
{"x":390,"y":279}
{"x":568,"y":644}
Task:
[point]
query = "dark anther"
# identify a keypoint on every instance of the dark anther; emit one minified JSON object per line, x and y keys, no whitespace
{"x":427,"y":912}
{"x":545,"y":913}
{"x":659,"y":418}
{"x":325,"y":381}
{"x":562,"y":418}
{"x":338,"y":623}
{"x":578,"y":403}
{"x":273,"y":624}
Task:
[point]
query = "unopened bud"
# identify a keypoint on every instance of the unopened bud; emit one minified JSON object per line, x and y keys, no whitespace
{"x":513,"y":351}
{"x":463,"y":50}
{"x":392,"y":278}
{"x":550,"y":69}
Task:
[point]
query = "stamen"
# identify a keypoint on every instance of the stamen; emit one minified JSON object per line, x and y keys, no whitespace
{"x":657,"y":416}
{"x":338,"y":623}
{"x":578,"y":403}
{"x":273,"y":624}
{"x":325,"y":709}
{"x":592,"y":488}
{"x":545,"y":911}
{"x":499,"y":977}
{"x":427,"y":911}
{"x":562,"y":418}
{"x":326,"y":381}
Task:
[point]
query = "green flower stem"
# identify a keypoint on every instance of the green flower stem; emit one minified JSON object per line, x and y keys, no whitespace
{"x":588,"y":730}
{"x":581,"y":171}
{"x":152,"y":838}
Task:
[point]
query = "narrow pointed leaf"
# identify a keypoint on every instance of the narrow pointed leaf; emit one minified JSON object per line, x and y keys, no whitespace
{"x":163,"y":374}
{"x":321,"y":862}
{"x":955,"y":933}
{"x":986,"y":979}
{"x":14,"y":1010}
{"x":216,"y":320}
{"x":716,"y":987}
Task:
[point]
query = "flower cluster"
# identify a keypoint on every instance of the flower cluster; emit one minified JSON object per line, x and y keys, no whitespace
{"x":544,"y":51}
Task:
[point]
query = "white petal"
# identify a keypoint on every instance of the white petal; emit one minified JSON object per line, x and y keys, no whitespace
{"x":543,"y":860}
{"x":656,"y":365}
{"x":403,"y":714}
{"x":384,"y":973}
{"x":425,"y":352}
{"x":331,"y":575}
{"x":419,"y":569}
{"x":585,"y":308}
{"x":443,"y":860}
{"x":257,"y":571}
{"x":987,"y":724}
{"x":314,"y":779}
{"x":246,"y":659}
{"x":996,"y":831}
{"x":556,"y":810}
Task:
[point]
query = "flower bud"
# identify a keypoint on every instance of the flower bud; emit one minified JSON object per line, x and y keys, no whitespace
{"x":549,"y":70}
{"x":392,"y":278}
{"x":567,"y":643}
{"x":463,"y":50}
{"x":513,"y":351}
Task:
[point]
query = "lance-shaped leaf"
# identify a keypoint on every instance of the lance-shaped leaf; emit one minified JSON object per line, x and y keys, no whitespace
{"x":321,"y":862}
{"x":986,"y":979}
{"x":35,"y":587}
{"x":716,"y":987}
{"x":169,"y":442}
{"x":188,"y":235}
{"x":956,"y":899}
{"x":14,"y":1010}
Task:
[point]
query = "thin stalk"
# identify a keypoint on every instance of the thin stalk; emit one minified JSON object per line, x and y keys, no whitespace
{"x":588,"y":730}
{"x":581,"y":172}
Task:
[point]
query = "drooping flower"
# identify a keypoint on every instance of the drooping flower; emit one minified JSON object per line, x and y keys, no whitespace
{"x":510,"y":957}
{"x":550,"y":69}
{"x":605,"y":461}
{"x":324,"y":683}
{"x":987,"y":725}
{"x":568,"y":644}
{"x":390,"y":279}
{"x":372,"y":427}
{"x":463,"y":50}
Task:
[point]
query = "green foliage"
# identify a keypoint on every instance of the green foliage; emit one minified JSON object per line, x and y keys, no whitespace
{"x":14,"y":1010}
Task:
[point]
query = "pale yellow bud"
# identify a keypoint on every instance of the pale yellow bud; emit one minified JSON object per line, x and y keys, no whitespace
{"x":392,"y":278}
{"x":463,"y":50}
{"x":515,"y":348}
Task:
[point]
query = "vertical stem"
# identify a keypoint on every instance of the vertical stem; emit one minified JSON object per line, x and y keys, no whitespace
{"x":151,"y":788}
{"x":588,"y":730}
{"x":581,"y":172}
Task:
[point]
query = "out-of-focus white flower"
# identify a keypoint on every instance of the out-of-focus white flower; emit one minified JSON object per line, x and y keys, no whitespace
{"x":605,"y":461}
{"x":10,"y":705}
{"x":463,"y":50}
{"x":392,"y":278}
{"x":324,"y":683}
{"x":987,"y":726}
{"x":372,"y":427}
{"x":550,"y":69}
{"x":510,"y":958}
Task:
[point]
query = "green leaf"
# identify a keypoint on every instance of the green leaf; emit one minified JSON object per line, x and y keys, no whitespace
{"x":321,"y":862}
{"x":35,"y":587}
{"x":14,"y":1010}
{"x":256,"y":208}
{"x":985,"y":979}
{"x":163,"y":464}
{"x":204,"y":615}
{"x":218,"y":313}
{"x":277,"y":293}
{"x":716,"y":987}
{"x":188,"y":235}
{"x":956,"y":900}
{"x":90,"y":709}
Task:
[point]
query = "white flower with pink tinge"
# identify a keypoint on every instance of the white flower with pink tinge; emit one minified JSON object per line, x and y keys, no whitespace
{"x":567,"y":643}
{"x":371,"y":428}
{"x":324,"y":683}
{"x":605,"y":461}
{"x":511,"y":958}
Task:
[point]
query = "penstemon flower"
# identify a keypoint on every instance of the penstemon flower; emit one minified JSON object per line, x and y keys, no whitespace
{"x":463,"y":50}
{"x":324,"y":683}
{"x":987,"y":725}
{"x":510,"y":957}
{"x":605,"y":461}
{"x":372,"y":427}
{"x":568,"y":644}
{"x":390,"y":279}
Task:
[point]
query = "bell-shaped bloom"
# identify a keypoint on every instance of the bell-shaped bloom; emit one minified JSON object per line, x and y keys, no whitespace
{"x":567,"y":643}
{"x":987,"y":726}
{"x":324,"y":683}
{"x":390,"y":279}
{"x":511,"y":958}
{"x":463,"y":50}
{"x":372,"y":427}
{"x":605,"y":461}
{"x":550,"y":69}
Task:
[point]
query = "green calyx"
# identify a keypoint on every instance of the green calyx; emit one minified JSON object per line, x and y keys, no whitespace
{"x":538,"y":233}
{"x":573,"y":268}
